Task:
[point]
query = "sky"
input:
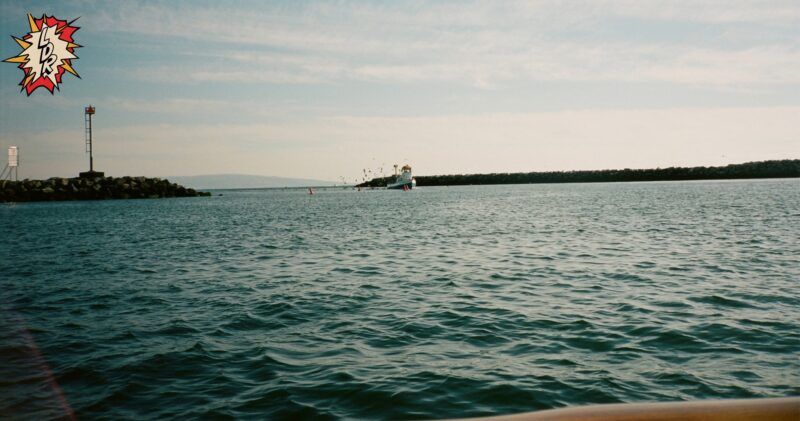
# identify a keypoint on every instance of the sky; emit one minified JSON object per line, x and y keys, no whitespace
{"x":325,"y":90}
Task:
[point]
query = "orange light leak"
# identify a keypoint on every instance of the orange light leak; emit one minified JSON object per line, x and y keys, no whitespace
{"x":47,"y":53}
{"x":38,"y":361}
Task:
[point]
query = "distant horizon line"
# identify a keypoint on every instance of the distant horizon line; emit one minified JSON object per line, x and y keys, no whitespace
{"x":488,"y":172}
{"x":247,"y":175}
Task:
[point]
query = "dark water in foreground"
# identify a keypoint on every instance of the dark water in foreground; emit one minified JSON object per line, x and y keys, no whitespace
{"x":440,"y":302}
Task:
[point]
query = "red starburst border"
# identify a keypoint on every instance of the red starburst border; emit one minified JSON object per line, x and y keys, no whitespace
{"x":65,"y":32}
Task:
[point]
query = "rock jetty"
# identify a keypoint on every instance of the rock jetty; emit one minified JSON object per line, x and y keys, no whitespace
{"x":97,"y":188}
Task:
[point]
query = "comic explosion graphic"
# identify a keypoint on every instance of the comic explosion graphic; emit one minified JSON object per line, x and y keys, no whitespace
{"x":47,"y":52}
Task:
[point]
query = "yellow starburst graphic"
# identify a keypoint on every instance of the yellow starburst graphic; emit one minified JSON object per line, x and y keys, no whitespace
{"x":47,"y":53}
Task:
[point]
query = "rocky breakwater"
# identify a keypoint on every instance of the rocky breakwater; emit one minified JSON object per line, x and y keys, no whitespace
{"x":98,"y":188}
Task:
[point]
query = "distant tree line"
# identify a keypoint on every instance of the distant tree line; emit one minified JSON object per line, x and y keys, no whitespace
{"x":786,"y":168}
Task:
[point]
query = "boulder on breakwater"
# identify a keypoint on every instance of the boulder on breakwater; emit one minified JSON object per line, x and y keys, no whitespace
{"x":96,"y":188}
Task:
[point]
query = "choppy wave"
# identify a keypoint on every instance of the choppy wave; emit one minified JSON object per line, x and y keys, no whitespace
{"x":439,"y":302}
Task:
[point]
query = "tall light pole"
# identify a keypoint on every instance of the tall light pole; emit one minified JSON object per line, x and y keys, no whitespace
{"x":88,"y":113}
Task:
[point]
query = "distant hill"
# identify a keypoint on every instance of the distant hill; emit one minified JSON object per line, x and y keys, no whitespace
{"x":243,"y":181}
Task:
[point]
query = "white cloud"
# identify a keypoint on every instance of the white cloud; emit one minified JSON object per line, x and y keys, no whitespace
{"x":710,"y":11}
{"x":479,"y":44}
{"x":765,"y":66}
{"x":165,"y":106}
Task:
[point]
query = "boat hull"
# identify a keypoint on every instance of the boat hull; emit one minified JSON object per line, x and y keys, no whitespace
{"x":400,"y":186}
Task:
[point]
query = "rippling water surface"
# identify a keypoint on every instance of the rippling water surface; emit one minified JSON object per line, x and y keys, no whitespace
{"x":439,"y":302}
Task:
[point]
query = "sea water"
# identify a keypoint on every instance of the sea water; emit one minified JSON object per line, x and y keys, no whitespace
{"x":438,"y":302}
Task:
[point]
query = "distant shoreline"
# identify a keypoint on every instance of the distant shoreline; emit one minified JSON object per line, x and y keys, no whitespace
{"x":787,"y":168}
